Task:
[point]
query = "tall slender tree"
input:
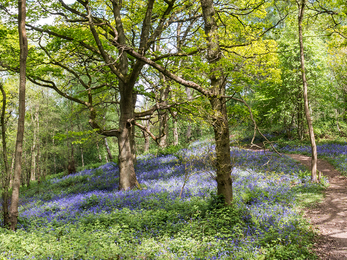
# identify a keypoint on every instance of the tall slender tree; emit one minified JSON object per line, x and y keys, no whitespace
{"x":5,"y":177}
{"x":23,"y":43}
{"x":301,"y":10}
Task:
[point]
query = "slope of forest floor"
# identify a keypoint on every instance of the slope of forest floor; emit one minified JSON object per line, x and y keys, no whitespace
{"x":329,"y":217}
{"x":84,"y":216}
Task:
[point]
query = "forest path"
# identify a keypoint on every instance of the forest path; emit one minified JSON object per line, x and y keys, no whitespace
{"x":329,"y":216}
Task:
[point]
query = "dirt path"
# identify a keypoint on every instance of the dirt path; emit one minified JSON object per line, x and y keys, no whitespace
{"x":330,"y":216}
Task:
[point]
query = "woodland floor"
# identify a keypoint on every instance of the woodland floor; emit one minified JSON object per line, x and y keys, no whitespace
{"x":329,"y":216}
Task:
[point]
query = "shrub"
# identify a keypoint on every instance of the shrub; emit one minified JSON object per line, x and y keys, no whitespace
{"x":90,"y":202}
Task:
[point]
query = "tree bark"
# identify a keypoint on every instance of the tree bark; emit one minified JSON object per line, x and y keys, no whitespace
{"x":24,"y":170}
{"x":108,"y":149}
{"x":132,"y":133}
{"x":99,"y":154}
{"x":301,"y":127}
{"x":127,"y":178}
{"x":71,"y":168}
{"x":301,"y":7}
{"x":163,"y":118}
{"x":54,"y":156}
{"x":146,"y":136}
{"x":27,"y":170}
{"x":219,"y":117}
{"x":189,"y":128}
{"x":38,"y":154}
{"x":175,"y":129}
{"x":6,"y":175}
{"x":21,"y":114}
{"x":35,"y":120}
{"x":82,"y":157}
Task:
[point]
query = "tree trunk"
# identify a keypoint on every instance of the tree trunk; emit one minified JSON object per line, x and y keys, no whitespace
{"x":54,"y":156}
{"x":223,"y":162}
{"x":219,"y":117}
{"x":35,"y":122}
{"x":33,"y":157}
{"x":126,"y":83}
{"x":163,"y":118}
{"x":27,"y":170}
{"x":5,"y":177}
{"x":71,"y":167}
{"x":163,"y":129}
{"x":82,"y":157}
{"x":175,"y":130}
{"x":38,"y":154}
{"x":12,"y":167}
{"x":99,"y":154}
{"x":344,"y":93}
{"x":24,"y":170}
{"x":301,"y":127}
{"x":301,"y":7}
{"x":109,"y":154}
{"x":146,"y":137}
{"x":127,"y":176}
{"x":132,"y":134}
{"x":189,"y":128}
{"x":21,"y":114}
{"x":108,"y":150}
{"x":38,"y":165}
{"x":5,"y":204}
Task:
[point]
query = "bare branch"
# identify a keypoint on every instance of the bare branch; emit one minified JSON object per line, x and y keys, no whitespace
{"x":255,"y":124}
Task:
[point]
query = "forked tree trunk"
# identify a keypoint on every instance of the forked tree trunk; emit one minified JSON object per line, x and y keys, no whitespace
{"x":219,"y":117}
{"x":301,"y":7}
{"x":5,"y":178}
{"x":21,"y":114}
{"x":127,"y":81}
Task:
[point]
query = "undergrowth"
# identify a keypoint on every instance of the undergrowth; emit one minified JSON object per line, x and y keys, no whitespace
{"x":84,"y":216}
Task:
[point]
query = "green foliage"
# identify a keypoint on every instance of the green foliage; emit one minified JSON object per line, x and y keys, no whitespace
{"x":310,"y":197}
{"x":89,"y":166}
{"x":216,"y":202}
{"x":171,"y":149}
{"x":69,"y":182}
{"x":274,"y":247}
{"x":251,"y":195}
{"x":90,"y":202}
